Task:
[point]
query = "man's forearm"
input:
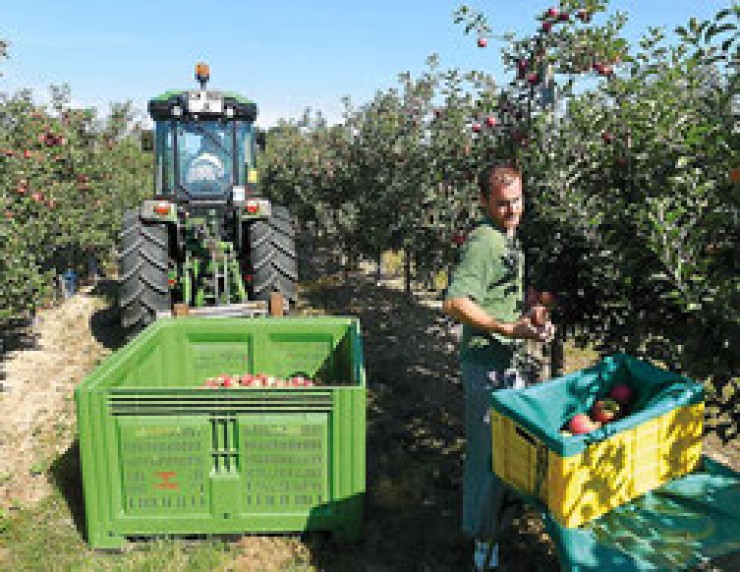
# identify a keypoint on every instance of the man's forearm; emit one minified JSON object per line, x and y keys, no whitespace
{"x":466,"y":311}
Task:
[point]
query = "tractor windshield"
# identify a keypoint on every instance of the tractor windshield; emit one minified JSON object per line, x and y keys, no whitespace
{"x":206,"y":156}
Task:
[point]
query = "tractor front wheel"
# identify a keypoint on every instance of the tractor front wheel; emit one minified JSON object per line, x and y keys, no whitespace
{"x":143,"y":272}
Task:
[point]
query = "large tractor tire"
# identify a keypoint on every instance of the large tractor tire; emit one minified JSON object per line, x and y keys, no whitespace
{"x":143,"y":272}
{"x":273,"y":256}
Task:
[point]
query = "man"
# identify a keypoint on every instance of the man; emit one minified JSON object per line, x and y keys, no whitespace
{"x":486,"y":295}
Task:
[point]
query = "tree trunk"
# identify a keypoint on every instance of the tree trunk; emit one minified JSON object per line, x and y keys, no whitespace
{"x":407,"y":270}
{"x":379,"y":267}
{"x":557,"y":353}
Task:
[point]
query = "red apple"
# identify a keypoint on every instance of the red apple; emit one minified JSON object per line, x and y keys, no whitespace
{"x":546,"y":26}
{"x":458,"y":239}
{"x":552,"y":13}
{"x":622,"y":393}
{"x":476,"y":127}
{"x":563,"y":16}
{"x":491,"y":121}
{"x":482,"y":42}
{"x":580,"y":424}
{"x":607,"y":137}
{"x":583,"y":15}
{"x":533,"y":78}
{"x":606,"y":410}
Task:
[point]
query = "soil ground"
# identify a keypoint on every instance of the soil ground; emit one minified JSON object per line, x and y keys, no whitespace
{"x":414,"y":450}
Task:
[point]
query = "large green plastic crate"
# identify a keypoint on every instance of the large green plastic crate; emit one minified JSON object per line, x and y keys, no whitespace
{"x":162,"y":455}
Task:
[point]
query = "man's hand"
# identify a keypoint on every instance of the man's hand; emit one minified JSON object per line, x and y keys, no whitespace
{"x":523,"y":328}
{"x":466,"y":311}
{"x":548,"y":331}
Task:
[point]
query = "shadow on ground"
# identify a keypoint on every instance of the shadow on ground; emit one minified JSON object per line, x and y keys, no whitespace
{"x":415,"y":440}
{"x":105,"y":323}
{"x":66,"y":476}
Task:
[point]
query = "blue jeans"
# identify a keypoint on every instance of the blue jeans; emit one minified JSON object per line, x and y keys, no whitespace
{"x":482,"y":490}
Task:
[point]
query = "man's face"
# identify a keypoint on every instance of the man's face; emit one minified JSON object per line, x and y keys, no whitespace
{"x":505,"y":204}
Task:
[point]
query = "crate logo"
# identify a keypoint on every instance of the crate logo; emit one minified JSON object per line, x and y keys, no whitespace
{"x":165,"y":483}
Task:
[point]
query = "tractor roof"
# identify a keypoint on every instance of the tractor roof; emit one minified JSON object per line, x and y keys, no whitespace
{"x":160,"y":107}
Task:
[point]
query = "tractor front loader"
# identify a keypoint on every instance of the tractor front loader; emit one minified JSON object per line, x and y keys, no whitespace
{"x":206,"y":240}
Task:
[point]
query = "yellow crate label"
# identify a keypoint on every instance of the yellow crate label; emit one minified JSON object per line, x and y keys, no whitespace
{"x":252,"y":176}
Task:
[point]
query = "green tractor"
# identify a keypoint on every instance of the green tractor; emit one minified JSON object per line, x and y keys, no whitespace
{"x":206,"y":240}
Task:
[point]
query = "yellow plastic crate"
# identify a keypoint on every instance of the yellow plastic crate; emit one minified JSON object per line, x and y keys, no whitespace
{"x":605,"y":474}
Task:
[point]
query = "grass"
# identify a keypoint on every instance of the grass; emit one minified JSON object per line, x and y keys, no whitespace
{"x":45,"y":538}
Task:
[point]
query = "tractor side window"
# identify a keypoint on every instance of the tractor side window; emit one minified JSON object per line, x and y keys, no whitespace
{"x":245,"y":150}
{"x":165,"y":172}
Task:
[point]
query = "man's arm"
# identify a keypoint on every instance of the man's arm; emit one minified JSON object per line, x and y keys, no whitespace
{"x":466,"y":311}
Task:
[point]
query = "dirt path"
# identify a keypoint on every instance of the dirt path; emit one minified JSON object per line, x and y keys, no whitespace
{"x":36,"y":402}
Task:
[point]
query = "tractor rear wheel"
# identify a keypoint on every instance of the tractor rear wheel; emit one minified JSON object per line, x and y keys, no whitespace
{"x":272,"y":254}
{"x":143,"y":272}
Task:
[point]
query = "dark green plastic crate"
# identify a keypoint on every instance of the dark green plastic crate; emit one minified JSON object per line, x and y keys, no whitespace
{"x":162,"y":455}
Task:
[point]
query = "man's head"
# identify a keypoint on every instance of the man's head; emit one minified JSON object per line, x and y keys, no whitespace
{"x":501,"y":195}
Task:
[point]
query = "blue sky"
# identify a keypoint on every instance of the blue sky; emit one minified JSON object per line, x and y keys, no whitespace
{"x":286,"y":54}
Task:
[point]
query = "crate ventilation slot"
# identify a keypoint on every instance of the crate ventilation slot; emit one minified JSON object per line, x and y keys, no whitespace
{"x":166,"y":404}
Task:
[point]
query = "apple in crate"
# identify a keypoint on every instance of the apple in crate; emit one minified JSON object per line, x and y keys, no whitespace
{"x":606,"y":410}
{"x":580,"y":424}
{"x":622,"y":393}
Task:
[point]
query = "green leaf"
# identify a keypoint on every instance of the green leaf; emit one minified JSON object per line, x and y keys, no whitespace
{"x":714,"y":30}
{"x":722,"y":14}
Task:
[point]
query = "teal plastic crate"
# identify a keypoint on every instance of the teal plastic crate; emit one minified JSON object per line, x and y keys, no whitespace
{"x":163,"y":455}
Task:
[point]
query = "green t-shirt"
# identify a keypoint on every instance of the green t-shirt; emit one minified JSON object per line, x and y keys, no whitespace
{"x":491,"y":273}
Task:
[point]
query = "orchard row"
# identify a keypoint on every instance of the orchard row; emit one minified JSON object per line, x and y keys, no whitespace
{"x":631,"y":215}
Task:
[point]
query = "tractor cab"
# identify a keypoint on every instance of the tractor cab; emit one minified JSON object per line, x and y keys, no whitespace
{"x":204,"y":145}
